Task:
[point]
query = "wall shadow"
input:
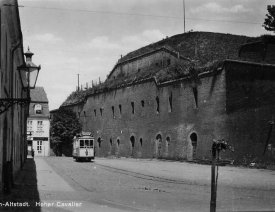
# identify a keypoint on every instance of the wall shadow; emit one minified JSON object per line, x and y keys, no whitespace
{"x":24,"y":194}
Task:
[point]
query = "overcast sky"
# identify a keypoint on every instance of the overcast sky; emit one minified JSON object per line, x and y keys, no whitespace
{"x":87,"y":37}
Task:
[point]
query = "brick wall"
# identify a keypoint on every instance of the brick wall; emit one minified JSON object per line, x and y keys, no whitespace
{"x":250,"y":108}
{"x":157,"y":131}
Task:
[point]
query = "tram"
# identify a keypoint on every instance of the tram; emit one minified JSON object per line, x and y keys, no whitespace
{"x":83,"y":147}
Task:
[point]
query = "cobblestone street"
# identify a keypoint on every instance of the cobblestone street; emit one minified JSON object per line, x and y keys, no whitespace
{"x":61,"y":184}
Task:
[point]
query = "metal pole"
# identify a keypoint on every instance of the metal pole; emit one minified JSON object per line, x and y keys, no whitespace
{"x":213,"y":180}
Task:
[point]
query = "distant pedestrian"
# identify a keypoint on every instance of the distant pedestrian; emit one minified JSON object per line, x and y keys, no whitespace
{"x":32,"y":151}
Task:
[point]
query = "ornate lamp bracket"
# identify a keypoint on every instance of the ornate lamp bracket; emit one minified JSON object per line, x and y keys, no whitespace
{"x":6,"y":103}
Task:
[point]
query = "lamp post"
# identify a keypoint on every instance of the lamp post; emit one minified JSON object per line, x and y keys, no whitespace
{"x":28,"y":75}
{"x":28,"y":72}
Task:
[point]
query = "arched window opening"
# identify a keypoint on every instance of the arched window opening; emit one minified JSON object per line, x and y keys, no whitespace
{"x":194,"y":140}
{"x":111,"y":142}
{"x":132,"y":139}
{"x":99,"y":142}
{"x":140,"y":141}
{"x":95,"y":112}
{"x":118,"y":142}
{"x":168,"y":140}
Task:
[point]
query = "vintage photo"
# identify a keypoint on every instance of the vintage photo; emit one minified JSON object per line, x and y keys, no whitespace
{"x":137,"y":105}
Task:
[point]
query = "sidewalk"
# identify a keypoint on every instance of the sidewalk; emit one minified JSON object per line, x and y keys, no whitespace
{"x":39,"y":188}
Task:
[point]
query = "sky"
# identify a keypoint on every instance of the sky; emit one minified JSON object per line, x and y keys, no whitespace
{"x":87,"y":37}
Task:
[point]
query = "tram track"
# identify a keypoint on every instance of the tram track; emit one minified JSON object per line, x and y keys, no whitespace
{"x":147,"y":176}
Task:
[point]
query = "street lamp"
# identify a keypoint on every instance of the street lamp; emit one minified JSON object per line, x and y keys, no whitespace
{"x":28,"y":75}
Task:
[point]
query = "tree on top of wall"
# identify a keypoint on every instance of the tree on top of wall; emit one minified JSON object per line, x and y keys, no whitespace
{"x":269,"y":22}
{"x":64,"y":126}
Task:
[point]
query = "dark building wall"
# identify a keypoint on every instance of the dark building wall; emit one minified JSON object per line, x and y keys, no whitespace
{"x":12,"y":121}
{"x":165,"y":129}
{"x":250,"y":108}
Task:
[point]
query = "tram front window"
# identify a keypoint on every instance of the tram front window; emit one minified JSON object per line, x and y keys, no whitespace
{"x":87,"y":143}
{"x":81,"y":143}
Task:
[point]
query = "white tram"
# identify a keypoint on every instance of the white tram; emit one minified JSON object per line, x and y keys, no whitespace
{"x":83,"y":147}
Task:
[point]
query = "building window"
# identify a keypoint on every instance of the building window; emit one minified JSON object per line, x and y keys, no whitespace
{"x":140,"y":141}
{"x":29,"y":126}
{"x":99,"y":142}
{"x":111,"y":142}
{"x":113,"y":111}
{"x":95,"y":112}
{"x":101,"y":111}
{"x":157,"y":102}
{"x":37,"y":109}
{"x":119,"y":106}
{"x":195,"y":92}
{"x":133,"y":107}
{"x":39,"y":146}
{"x":170,"y":103}
{"x":142,"y":103}
{"x":118,"y":142}
{"x":39,"y":125}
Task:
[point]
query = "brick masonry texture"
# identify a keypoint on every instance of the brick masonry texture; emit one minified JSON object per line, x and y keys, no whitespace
{"x":179,"y":118}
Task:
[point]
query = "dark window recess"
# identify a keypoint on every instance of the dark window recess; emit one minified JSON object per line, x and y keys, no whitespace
{"x":157,"y":64}
{"x":113,"y":111}
{"x":84,"y":113}
{"x":99,"y":142}
{"x":157,"y":101}
{"x":168,"y":140}
{"x":170,"y":102}
{"x":132,"y":139}
{"x":140,"y":140}
{"x":111,"y":142}
{"x":168,"y":62}
{"x":95,"y":112}
{"x":195,"y":92}
{"x":118,"y":142}
{"x":101,"y":111}
{"x":138,"y":70}
{"x":142,"y":103}
{"x":119,"y":109}
{"x":133,"y":107}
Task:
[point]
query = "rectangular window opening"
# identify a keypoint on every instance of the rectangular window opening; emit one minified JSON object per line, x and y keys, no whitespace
{"x":133,"y":107}
{"x":113,"y":111}
{"x":195,"y":92}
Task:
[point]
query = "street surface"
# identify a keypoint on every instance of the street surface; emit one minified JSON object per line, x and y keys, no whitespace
{"x":147,"y":185}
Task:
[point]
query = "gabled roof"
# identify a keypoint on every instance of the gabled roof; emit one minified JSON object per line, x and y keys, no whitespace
{"x":38,"y":94}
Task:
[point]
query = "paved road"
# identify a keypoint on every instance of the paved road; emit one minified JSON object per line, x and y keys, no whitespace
{"x":148,"y":185}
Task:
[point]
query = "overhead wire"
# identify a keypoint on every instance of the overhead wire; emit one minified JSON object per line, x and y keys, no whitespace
{"x":137,"y":14}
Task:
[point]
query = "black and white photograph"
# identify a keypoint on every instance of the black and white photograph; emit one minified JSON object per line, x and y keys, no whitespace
{"x":137,"y":105}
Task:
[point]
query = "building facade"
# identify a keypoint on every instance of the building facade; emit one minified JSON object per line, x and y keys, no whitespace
{"x":12,"y":119}
{"x":171,"y":102}
{"x":38,"y":124}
